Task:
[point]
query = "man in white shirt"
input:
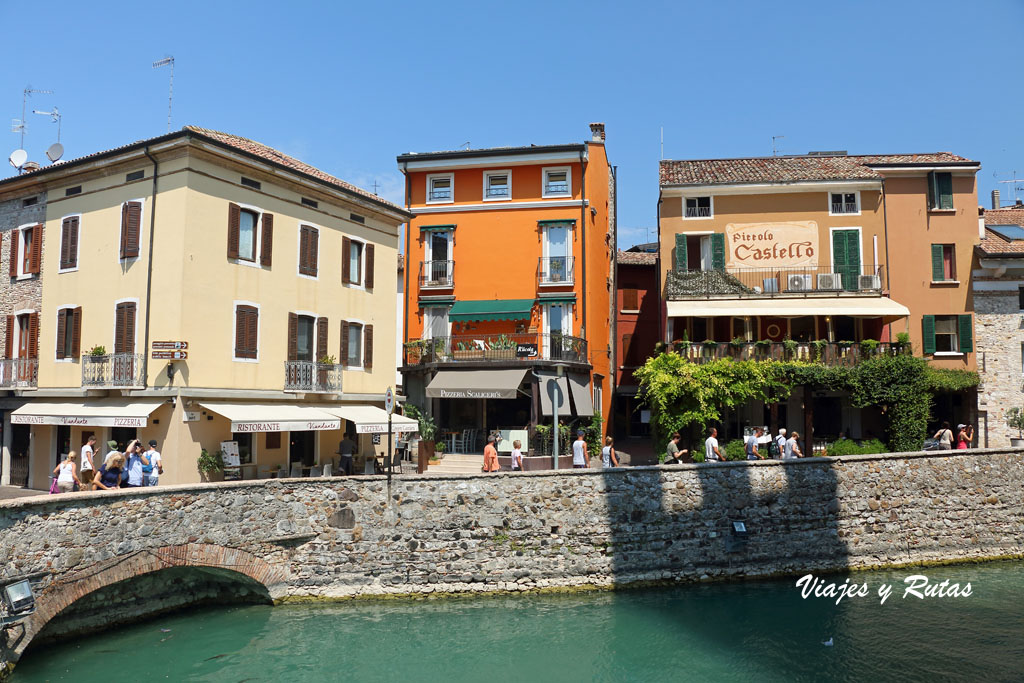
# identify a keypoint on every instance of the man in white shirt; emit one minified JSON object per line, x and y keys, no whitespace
{"x":152,"y":478}
{"x":711,"y":452}
{"x":780,"y":441}
{"x":86,"y":466}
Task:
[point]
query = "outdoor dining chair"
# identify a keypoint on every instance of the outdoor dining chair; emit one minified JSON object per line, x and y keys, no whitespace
{"x":368,"y":466}
{"x":327,"y":469}
{"x":296,"y":470}
{"x":315,"y":471}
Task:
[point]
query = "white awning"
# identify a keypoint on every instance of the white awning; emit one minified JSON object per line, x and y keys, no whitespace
{"x":371,"y":419}
{"x":582,"y":402}
{"x":476,"y":383}
{"x":274,"y":417}
{"x":783,"y":307}
{"x":97,"y":413}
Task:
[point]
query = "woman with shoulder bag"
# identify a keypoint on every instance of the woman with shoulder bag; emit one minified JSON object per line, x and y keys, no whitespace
{"x":67,"y":474}
{"x":945,"y":437}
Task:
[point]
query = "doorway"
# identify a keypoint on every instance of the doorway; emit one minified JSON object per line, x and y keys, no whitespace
{"x":123,"y":436}
{"x":302,"y":448}
{"x":62,"y":444}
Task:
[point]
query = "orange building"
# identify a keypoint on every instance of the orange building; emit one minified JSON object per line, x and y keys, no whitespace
{"x":827,"y":256}
{"x":509,"y":263}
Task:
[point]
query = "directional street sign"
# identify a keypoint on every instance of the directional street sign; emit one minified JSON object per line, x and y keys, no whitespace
{"x":389,"y":401}
{"x":170,"y":346}
{"x":170,"y":355}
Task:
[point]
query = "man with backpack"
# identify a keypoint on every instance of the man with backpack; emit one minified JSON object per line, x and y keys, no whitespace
{"x":778,"y":446}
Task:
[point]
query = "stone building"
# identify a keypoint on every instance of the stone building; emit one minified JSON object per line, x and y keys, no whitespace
{"x":999,"y":322}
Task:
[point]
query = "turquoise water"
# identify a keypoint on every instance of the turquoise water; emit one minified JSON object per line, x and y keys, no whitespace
{"x":750,"y":631}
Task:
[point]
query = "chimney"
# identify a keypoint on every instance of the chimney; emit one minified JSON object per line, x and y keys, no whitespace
{"x":995,"y":199}
{"x":597,"y":132}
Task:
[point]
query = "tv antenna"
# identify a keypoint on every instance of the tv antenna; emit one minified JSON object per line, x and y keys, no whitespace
{"x":20,"y":125}
{"x":775,"y":149}
{"x":170,"y":93}
{"x":1016,"y":187}
{"x":54,"y":115}
{"x":375,"y":186}
{"x":663,"y":142}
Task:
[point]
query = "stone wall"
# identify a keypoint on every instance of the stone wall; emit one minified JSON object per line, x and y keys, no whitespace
{"x":338,"y":538}
{"x":19,"y":294}
{"x":999,"y":334}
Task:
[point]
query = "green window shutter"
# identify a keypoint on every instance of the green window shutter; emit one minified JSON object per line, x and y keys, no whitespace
{"x":966,"y":338}
{"x":933,"y":193}
{"x":838,"y":249}
{"x":718,"y":251}
{"x":680,"y":253}
{"x":945,"y":190}
{"x":928,"y":334}
{"x":938,"y":268}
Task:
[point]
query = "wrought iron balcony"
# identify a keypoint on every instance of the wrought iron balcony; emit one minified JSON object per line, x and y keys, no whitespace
{"x":498,"y":192}
{"x":556,"y":270}
{"x":19,"y":373}
{"x":830,"y":353}
{"x":844,"y":207}
{"x":437,"y":274}
{"x":113,"y":370}
{"x":503,"y":348}
{"x":698,"y":212}
{"x":310,"y":377}
{"x":440,"y":194}
{"x":771,"y":282}
{"x":557,"y":188}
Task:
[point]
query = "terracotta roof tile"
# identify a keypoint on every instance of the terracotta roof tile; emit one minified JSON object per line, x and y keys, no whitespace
{"x":791,"y":169}
{"x":1010,"y":215}
{"x":637,"y":258}
{"x":993,"y":243}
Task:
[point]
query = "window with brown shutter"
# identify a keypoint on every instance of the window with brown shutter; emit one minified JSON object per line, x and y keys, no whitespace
{"x":273,"y":440}
{"x":346,"y":248}
{"x":321,"y":338}
{"x":62,"y":331}
{"x":124,"y":327}
{"x":76,"y":332}
{"x":369,"y":266}
{"x":630,"y":299}
{"x":69,"y":242}
{"x":33,"y":335}
{"x":343,"y":354}
{"x":626,"y":355}
{"x":13,"y":266}
{"x":368,"y":347}
{"x":36,"y":254}
{"x":293,"y":336}
{"x":309,"y":247}
{"x":9,"y":338}
{"x":267,"y":240}
{"x":234,"y":221}
{"x":131,"y":225}
{"x":246,"y":331}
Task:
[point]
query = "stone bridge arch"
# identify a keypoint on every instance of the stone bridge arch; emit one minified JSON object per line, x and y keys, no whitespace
{"x":267,"y":579}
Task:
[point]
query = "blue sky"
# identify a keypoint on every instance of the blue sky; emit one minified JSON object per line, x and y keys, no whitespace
{"x":347,"y":86}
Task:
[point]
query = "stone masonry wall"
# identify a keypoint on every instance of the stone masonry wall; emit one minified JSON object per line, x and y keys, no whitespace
{"x":999,"y":333}
{"x":18,"y":294}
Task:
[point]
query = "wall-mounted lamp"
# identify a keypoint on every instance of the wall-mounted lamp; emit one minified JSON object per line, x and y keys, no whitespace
{"x":170,"y":371}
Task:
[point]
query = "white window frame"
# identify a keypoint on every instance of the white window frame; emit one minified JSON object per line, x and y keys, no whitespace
{"x":17,"y":328}
{"x":298,"y":247}
{"x":449,"y":235}
{"x":566,"y":318}
{"x":362,"y":264}
{"x":703,"y":235}
{"x":142,"y":230}
{"x":544,"y":182}
{"x":257,"y":238}
{"x":312,"y":339}
{"x":259,"y":318}
{"x":570,"y":235}
{"x":956,"y":336}
{"x":56,"y":344}
{"x":20,"y":236}
{"x":362,"y":343}
{"x":75,"y":267}
{"x":451,"y":186}
{"x":113,"y":327}
{"x":828,"y":197}
{"x":427,"y":316}
{"x":487,"y":181}
{"x":711,"y":207}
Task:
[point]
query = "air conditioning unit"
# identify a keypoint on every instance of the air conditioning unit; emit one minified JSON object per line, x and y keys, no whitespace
{"x":865,"y":282}
{"x":830,"y":281}
{"x":800,"y":283}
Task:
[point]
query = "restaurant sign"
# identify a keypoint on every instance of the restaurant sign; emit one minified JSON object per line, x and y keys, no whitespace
{"x":382,"y":427}
{"x":526,"y":350}
{"x":79,"y":420}
{"x":286,"y":426}
{"x":474,"y":393}
{"x":772,"y":245}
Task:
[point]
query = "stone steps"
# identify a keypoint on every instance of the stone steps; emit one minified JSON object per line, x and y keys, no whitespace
{"x":458,"y":463}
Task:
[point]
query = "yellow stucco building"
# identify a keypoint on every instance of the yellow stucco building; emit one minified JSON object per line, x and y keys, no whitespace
{"x":198,"y":288}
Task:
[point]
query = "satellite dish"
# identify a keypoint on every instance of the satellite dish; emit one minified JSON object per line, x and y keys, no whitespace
{"x":18,"y":158}
{"x":56,"y":151}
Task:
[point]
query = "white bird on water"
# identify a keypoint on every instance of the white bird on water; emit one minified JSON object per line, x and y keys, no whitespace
{"x":827,"y":643}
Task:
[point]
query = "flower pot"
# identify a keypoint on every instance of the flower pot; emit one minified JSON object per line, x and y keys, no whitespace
{"x":470,"y":354}
{"x":216,"y":475}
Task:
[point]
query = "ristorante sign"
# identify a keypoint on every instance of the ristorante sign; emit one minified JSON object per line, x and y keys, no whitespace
{"x":286,"y":426}
{"x":79,"y":420}
{"x":772,"y":245}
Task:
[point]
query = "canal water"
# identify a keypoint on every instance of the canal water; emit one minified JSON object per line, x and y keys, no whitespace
{"x":747,"y":631}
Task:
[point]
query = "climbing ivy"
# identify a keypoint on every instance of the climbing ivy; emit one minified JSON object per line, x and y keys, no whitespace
{"x":689,"y":397}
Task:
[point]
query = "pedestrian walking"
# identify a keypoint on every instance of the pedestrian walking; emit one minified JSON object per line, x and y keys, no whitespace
{"x":793,"y":448}
{"x":346,"y":449}
{"x":517,"y":456}
{"x":88,"y":469}
{"x":151,"y":477}
{"x":66,"y":472}
{"x":608,"y":457}
{"x":780,"y":443}
{"x":108,"y":477}
{"x":491,"y":456}
{"x":711,"y":452}
{"x":672,"y":450}
{"x":752,"y":446}
{"x":580,"y":457}
{"x":969,"y":435}
{"x":944,"y":437}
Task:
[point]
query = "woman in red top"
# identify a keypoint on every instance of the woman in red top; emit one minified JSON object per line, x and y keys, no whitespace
{"x":491,"y":456}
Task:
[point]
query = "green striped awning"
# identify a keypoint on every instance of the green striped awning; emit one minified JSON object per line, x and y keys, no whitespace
{"x":559,"y":298}
{"x":564,"y":221}
{"x":437,"y":228}
{"x":490,"y":309}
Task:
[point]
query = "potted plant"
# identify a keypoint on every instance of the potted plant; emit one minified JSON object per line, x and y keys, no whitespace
{"x":502,"y":347}
{"x":1015,"y":420}
{"x":467,"y":350}
{"x":438,"y":450}
{"x":556,"y":269}
{"x":210,"y":465}
{"x":789,"y":345}
{"x":902,"y":342}
{"x":427,"y":432}
{"x":413,"y":352}
{"x":819,"y":346}
{"x":869,"y":347}
{"x":97,"y":351}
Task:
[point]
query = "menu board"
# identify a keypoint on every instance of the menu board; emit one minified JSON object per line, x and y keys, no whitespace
{"x":229,"y":451}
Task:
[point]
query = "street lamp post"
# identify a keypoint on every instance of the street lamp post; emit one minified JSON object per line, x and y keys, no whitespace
{"x":556,"y":399}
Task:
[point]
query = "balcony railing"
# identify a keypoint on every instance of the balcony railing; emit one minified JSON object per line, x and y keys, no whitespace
{"x":504,"y":348}
{"x":19,"y":373}
{"x":556,"y":270}
{"x":437,"y":274}
{"x":497,"y":192}
{"x":113,"y":370}
{"x":440,"y":194}
{"x":316,"y":378}
{"x":698,"y":212}
{"x":844,"y":207}
{"x":769,"y":282}
{"x":557,"y":188}
{"x":829,"y":353}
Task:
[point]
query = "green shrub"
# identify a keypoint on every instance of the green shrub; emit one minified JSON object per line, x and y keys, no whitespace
{"x":844,"y":447}
{"x":872,"y":446}
{"x":734,"y":450}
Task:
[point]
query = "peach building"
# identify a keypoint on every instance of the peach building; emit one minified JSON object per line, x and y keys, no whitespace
{"x":825,"y":255}
{"x":508,"y":279}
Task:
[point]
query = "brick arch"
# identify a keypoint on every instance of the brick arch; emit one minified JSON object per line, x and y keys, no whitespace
{"x":68,"y":588}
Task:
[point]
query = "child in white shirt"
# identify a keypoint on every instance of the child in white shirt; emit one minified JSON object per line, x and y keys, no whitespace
{"x":517,"y":456}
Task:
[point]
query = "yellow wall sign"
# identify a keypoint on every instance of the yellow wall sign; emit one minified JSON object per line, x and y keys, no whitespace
{"x":771,"y":245}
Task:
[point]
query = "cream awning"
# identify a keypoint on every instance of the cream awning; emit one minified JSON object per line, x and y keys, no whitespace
{"x":274,"y":417}
{"x":476,"y":383}
{"x":783,"y":307}
{"x":582,"y":402}
{"x":97,"y":413}
{"x":371,"y":419}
